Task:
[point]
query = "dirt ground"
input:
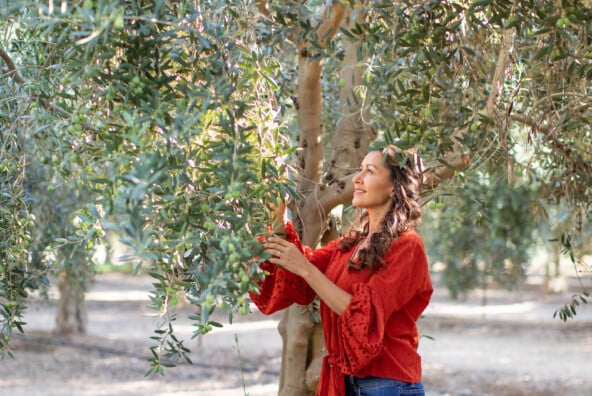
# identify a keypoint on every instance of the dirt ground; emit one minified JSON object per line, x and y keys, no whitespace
{"x":512,"y":346}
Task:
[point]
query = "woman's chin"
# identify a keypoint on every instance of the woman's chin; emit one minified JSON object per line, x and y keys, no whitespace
{"x":357,"y":204}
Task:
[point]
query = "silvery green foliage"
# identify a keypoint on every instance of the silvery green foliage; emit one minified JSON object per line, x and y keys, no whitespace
{"x":175,"y":118}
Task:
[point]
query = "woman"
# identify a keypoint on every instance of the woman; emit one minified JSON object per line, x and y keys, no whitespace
{"x":373,"y":283}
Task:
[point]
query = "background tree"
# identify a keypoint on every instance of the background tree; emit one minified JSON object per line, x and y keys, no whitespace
{"x":186,"y":117}
{"x":55,"y":203}
{"x":484,"y":234}
{"x":17,"y":278}
{"x":174,"y":129}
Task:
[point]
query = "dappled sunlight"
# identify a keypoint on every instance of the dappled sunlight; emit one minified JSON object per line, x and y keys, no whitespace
{"x":246,"y":337}
{"x":468,"y":310}
{"x":243,"y":327}
{"x":117,"y":295}
{"x":211,"y":387}
{"x":238,"y":328}
{"x":513,"y":336}
{"x":255,"y":390}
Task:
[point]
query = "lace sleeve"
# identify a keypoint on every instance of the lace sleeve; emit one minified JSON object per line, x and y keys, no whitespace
{"x":281,"y":288}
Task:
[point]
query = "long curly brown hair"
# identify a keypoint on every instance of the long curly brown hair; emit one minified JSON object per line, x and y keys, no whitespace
{"x":405,"y":213}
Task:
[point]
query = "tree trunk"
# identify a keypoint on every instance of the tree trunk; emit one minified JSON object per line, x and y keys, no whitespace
{"x":300,"y":348}
{"x":303,"y":342}
{"x":71,"y":317}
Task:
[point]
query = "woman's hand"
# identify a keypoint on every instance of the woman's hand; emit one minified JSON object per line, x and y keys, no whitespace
{"x":288,"y":256}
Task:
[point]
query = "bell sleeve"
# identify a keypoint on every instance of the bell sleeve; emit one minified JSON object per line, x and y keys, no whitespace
{"x":280,"y":288}
{"x":403,"y":284}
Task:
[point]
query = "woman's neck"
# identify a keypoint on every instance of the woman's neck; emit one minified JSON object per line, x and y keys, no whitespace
{"x":374,"y":221}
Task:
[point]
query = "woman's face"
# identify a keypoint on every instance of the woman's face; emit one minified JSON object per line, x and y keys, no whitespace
{"x":373,"y":187}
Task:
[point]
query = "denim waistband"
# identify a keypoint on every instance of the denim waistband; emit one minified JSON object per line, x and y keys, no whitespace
{"x":405,"y":388}
{"x":373,"y":381}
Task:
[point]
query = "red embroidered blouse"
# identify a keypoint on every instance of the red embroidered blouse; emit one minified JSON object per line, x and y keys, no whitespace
{"x":377,"y":334}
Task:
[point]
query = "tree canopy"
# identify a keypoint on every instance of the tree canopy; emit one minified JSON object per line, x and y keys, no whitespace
{"x":178,"y":121}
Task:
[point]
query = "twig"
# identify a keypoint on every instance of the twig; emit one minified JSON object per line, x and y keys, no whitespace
{"x":12,"y":71}
{"x":14,"y":74}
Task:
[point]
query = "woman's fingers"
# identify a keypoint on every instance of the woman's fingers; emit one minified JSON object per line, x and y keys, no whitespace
{"x":281,"y":249}
{"x":286,"y":255}
{"x":273,"y":247}
{"x":275,"y":243}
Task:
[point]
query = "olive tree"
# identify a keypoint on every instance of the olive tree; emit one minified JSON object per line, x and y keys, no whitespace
{"x":187,"y":119}
{"x":484,"y":232}
{"x":476,"y":86}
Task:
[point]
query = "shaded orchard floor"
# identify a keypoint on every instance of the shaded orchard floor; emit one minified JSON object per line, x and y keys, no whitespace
{"x":512,"y":346}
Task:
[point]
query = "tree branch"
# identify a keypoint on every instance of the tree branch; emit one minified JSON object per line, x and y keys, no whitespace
{"x":318,"y":204}
{"x":559,"y":95}
{"x":262,"y":6}
{"x":329,"y":27}
{"x":497,"y":83}
{"x":310,"y":109}
{"x":455,"y":160}
{"x":436,"y":174}
{"x":529,"y":121}
{"x":12,"y":71}
{"x":546,"y":129}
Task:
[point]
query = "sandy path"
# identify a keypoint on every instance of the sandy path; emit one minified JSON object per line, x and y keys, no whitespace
{"x":511,"y":347}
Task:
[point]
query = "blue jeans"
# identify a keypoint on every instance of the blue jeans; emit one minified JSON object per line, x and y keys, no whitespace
{"x":375,"y":386}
